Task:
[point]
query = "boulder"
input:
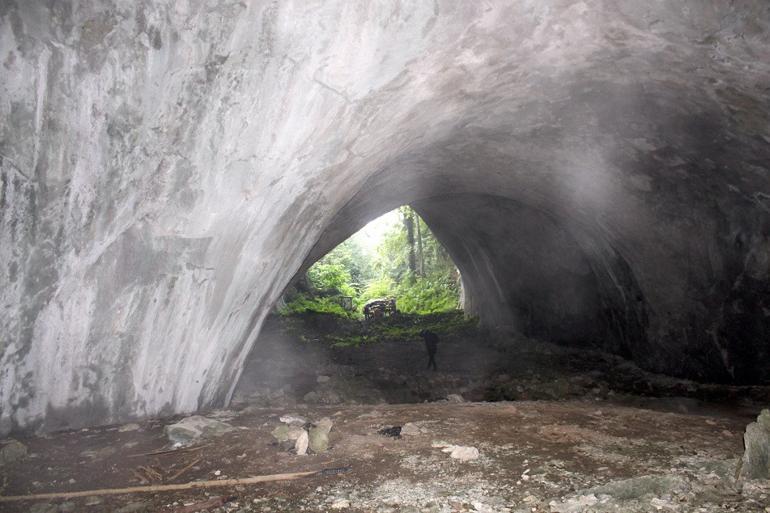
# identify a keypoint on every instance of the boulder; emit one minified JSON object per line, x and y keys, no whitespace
{"x":285,"y":433}
{"x":191,"y":429}
{"x":755,"y":463}
{"x":410,"y":429}
{"x":12,"y":450}
{"x":319,"y":435}
{"x":301,"y":445}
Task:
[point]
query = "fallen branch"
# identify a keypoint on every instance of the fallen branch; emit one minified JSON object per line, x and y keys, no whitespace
{"x":151,"y":473}
{"x":170,"y":451}
{"x":170,"y":487}
{"x":183,"y":470}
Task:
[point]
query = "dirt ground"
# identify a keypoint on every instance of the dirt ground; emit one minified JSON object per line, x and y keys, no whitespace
{"x":534,"y":456}
{"x":569,"y":432}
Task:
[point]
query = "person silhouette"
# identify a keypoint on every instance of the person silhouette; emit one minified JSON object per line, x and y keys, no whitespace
{"x":431,"y":345}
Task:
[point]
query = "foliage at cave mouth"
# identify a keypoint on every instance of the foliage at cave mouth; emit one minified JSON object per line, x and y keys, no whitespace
{"x":406,"y":263}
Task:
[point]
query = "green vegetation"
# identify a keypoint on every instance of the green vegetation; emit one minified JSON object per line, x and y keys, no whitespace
{"x":409,"y":264}
{"x":334,"y":330}
{"x":407,"y":328}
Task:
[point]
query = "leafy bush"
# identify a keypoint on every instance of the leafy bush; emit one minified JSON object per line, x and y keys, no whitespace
{"x":331,"y":278}
{"x":302,"y":303}
{"x":380,"y":288}
{"x":432,"y":294}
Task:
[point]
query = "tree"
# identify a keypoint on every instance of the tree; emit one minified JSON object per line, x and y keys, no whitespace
{"x":420,"y":257}
{"x":408,"y":216}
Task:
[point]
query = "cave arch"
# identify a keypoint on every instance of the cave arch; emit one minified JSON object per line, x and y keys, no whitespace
{"x":149,"y":223}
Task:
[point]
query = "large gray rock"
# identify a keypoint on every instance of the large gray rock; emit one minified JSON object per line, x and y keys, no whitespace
{"x":11,"y":451}
{"x":191,"y":429}
{"x":285,"y":432}
{"x":410,"y":429}
{"x":756,"y":457}
{"x":319,"y":435}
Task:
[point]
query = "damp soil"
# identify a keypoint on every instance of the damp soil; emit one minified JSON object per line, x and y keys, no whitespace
{"x":532,"y":454}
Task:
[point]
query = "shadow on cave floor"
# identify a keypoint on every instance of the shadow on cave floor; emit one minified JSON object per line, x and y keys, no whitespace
{"x":323,"y":359}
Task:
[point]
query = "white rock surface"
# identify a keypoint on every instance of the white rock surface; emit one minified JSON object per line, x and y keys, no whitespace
{"x":755,"y":463}
{"x":301,"y":445}
{"x":167,"y":167}
{"x":462,"y":453}
{"x":293,"y":420}
{"x":340,"y":504}
{"x":577,"y":504}
{"x":410,"y":429}
{"x":191,"y":429}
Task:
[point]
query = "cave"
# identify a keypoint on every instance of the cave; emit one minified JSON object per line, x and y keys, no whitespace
{"x":597,"y":170}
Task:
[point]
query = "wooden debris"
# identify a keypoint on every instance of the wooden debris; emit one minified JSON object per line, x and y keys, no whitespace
{"x":139,"y":476}
{"x":170,"y":451}
{"x":162,"y":487}
{"x":184,"y":469}
{"x":153,"y":474}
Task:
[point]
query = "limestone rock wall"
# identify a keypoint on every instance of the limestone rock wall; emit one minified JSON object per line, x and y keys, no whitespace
{"x":167,"y":166}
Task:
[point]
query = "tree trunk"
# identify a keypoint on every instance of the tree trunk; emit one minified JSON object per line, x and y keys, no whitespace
{"x":420,"y":258}
{"x":409,"y":225}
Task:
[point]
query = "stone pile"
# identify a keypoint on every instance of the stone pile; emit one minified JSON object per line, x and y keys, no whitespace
{"x":297,"y":434}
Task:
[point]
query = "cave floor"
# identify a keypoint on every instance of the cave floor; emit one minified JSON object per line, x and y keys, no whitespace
{"x":534,"y":456}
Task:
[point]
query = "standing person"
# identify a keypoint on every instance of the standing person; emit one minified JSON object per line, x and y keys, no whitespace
{"x":431,"y":345}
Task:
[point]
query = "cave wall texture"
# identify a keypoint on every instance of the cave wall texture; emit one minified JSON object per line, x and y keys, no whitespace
{"x":599,"y":170}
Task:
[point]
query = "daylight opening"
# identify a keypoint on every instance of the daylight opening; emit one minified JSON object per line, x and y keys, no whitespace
{"x":394,"y":265}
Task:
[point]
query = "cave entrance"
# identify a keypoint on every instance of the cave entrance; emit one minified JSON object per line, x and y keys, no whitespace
{"x":351,"y":326}
{"x":510,"y":291}
{"x":393,"y":266}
